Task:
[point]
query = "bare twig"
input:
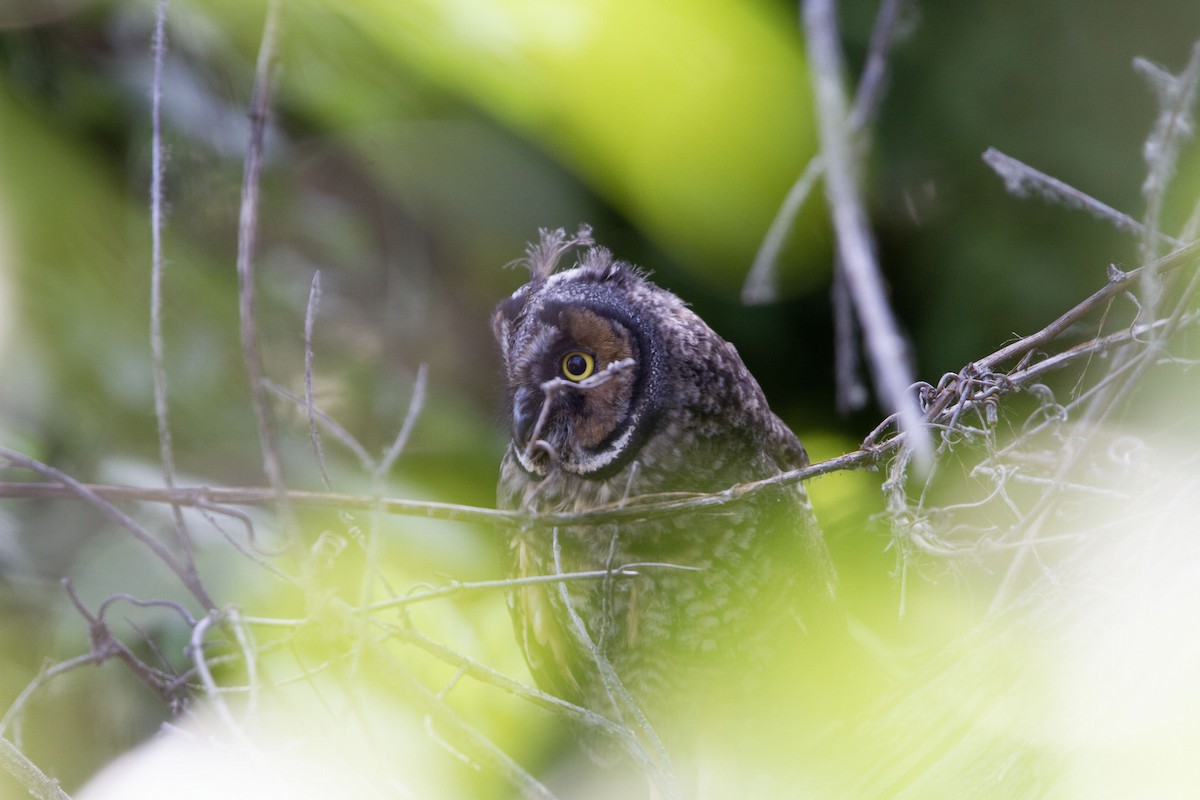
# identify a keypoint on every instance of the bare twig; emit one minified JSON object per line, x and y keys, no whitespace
{"x":1117,"y":283}
{"x":850,"y":394}
{"x":887,"y":353}
{"x":247,"y":240}
{"x":492,"y":677}
{"x":329,"y":423}
{"x":761,"y":284}
{"x":1021,"y":180}
{"x":105,"y":645}
{"x":625,"y":707}
{"x":623,"y":571}
{"x":467,"y":738}
{"x":310,"y":314}
{"x":410,"y":420}
{"x":873,"y":81}
{"x":1176,"y":97}
{"x":157,"y":348}
{"x":36,"y":782}
{"x":80,"y":491}
{"x":211,"y":690}
{"x":45,"y":676}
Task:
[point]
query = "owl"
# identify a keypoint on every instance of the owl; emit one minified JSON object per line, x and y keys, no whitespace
{"x":617,"y":390}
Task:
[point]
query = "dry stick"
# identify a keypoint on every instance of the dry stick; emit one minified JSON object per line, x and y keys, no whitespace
{"x":469,"y":737}
{"x":871,"y":85}
{"x":245,"y":640}
{"x":623,"y":703}
{"x":330,"y":424}
{"x":47,"y":674}
{"x":74,"y":488}
{"x":1128,"y":366}
{"x":108,"y":646}
{"x":1118,"y":282}
{"x":410,"y":419}
{"x":761,"y":284}
{"x":196,"y":651}
{"x":379,"y":476}
{"x":36,"y":782}
{"x":1021,"y":180}
{"x":849,"y":394}
{"x":1103,"y":405}
{"x":1176,"y":96}
{"x":1191,"y":228}
{"x":370,"y":572}
{"x":157,"y":348}
{"x":884,"y":344}
{"x":492,"y":677}
{"x":1058,"y":360}
{"x":462,"y":587}
{"x":247,"y":235}
{"x":637,"y":508}
{"x":310,"y":313}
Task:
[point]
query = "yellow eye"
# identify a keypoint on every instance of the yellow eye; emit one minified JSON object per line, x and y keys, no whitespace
{"x":577,"y":365}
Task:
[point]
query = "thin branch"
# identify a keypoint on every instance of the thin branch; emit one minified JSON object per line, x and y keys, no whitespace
{"x":623,"y":703}
{"x":1176,"y":96}
{"x":331,"y":425}
{"x":157,"y":347}
{"x":244,"y":638}
{"x":1022,"y":180}
{"x":850,"y":394}
{"x":105,"y":645}
{"x":410,"y":420}
{"x":310,"y":314}
{"x":36,"y":782}
{"x":47,"y":674}
{"x":491,"y":677}
{"x":761,"y":284}
{"x":1118,"y":282}
{"x":247,"y":240}
{"x":636,"y":508}
{"x":873,"y":81}
{"x":124,"y":597}
{"x":886,"y":350}
{"x":460,"y":587}
{"x":211,"y":690}
{"x":74,"y":488}
{"x":468,"y":737}
{"x":1092,"y":346}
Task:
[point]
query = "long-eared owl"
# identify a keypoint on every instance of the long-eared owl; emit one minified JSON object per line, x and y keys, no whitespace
{"x":616,"y":389}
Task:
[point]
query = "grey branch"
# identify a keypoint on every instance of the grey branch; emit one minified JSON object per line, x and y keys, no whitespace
{"x":761,"y":282}
{"x":1022,"y":180}
{"x":886,"y":350}
{"x":247,"y":242}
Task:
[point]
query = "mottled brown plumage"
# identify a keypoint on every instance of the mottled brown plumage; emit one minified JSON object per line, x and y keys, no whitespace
{"x":644,"y":398}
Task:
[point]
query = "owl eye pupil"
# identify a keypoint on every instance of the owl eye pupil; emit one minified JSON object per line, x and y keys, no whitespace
{"x":576,"y":365}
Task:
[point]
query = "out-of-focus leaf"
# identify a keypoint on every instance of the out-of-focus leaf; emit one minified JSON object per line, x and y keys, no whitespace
{"x":691,"y":118}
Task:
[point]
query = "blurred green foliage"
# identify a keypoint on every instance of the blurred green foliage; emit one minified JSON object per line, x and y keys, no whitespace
{"x":414,"y":147}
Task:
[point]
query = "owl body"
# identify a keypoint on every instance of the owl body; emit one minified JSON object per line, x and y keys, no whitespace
{"x":616,"y":390}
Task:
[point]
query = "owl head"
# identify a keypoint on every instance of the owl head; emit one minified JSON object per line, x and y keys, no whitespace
{"x":585,"y":358}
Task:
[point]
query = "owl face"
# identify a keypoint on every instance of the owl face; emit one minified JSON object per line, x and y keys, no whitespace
{"x":581,"y":362}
